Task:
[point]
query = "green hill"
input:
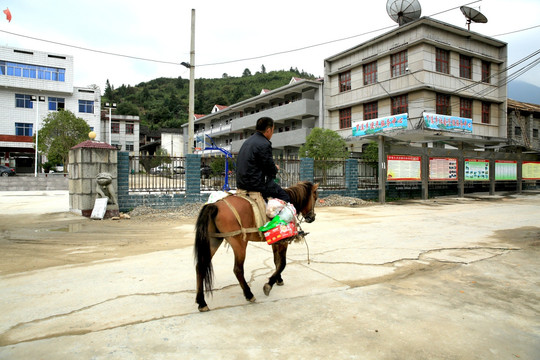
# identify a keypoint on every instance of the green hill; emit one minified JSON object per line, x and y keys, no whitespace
{"x":164,"y":102}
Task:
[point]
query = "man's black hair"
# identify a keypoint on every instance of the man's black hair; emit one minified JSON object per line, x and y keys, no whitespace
{"x":264,"y":123}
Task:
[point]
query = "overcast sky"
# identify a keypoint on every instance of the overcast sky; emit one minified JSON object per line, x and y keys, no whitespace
{"x":232,"y":30}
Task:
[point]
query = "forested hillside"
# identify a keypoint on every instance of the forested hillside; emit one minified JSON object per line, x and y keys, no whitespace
{"x":164,"y":102}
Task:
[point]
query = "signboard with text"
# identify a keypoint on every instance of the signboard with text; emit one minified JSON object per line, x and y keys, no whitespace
{"x":476,"y":169}
{"x":403,"y":168}
{"x":447,"y":123}
{"x":443,"y":169}
{"x":505,"y":170}
{"x":371,"y":127}
{"x":531,"y":170}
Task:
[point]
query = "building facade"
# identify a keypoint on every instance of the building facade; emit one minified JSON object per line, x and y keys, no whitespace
{"x":32,"y":85}
{"x":423,"y":67}
{"x":122,"y":132}
{"x":296,"y":109}
{"x":524,"y":124}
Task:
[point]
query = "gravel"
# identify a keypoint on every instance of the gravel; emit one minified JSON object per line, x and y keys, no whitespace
{"x":192,"y":209}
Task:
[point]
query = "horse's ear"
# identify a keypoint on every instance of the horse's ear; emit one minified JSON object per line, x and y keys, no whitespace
{"x":315,"y":186}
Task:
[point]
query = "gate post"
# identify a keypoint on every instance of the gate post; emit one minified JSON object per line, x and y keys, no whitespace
{"x":307,"y":172}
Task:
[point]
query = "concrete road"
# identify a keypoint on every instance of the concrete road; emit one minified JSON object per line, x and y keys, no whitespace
{"x":439,"y":279}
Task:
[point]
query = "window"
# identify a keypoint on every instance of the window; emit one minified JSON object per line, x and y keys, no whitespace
{"x":130,"y":128}
{"x":345,"y":81}
{"x":486,"y":71}
{"x":535,"y":133}
{"x":22,"y":129}
{"x":465,"y":70}
{"x":485,"y":112}
{"x":56,"y":104}
{"x":399,"y":63}
{"x":441,"y":61}
{"x":32,"y":71}
{"x":443,"y":105}
{"x":370,"y":73}
{"x":23,"y":101}
{"x":115,"y":127}
{"x":129,"y":146}
{"x":465,"y":108}
{"x":371,"y":111}
{"x":86,"y":106}
{"x":345,"y":118}
{"x":400,"y":104}
{"x":517,"y":131}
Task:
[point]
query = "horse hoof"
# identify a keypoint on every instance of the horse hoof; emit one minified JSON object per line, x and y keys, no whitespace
{"x":279,"y":283}
{"x":267,"y":287}
{"x":252,"y":300}
{"x":204,"y":309}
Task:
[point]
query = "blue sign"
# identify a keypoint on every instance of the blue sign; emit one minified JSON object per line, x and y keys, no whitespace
{"x":448,"y":123}
{"x":371,"y":127}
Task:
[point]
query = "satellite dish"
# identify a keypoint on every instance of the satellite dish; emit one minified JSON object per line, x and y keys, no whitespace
{"x":473,"y":15}
{"x":403,"y":11}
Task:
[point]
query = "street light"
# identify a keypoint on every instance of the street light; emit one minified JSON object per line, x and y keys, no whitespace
{"x":191,"y":67}
{"x":110,"y":106}
{"x":37,"y":99}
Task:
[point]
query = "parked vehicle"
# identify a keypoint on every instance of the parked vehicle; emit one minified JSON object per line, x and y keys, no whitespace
{"x":6,"y":171}
{"x":206,"y":171}
{"x":179,"y":170}
{"x":160,"y":170}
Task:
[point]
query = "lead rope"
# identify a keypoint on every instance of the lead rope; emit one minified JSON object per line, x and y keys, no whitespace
{"x":303,"y":236}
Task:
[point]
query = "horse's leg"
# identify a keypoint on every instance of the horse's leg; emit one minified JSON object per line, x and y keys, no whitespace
{"x":280,"y":260}
{"x":239,"y":247}
{"x":214,"y":246}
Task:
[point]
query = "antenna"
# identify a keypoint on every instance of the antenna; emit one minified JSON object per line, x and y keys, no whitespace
{"x":473,"y":15}
{"x":403,"y":11}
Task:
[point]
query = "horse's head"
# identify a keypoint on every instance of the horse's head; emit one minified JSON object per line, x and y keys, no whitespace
{"x":308,"y":211}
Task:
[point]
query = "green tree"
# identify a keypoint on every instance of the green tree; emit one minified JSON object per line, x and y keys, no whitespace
{"x":371,"y":153}
{"x":61,"y":131}
{"x":108,"y":94}
{"x":246,"y":73}
{"x":324,"y":145}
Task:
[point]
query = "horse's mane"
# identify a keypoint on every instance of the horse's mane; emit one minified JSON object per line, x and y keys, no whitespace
{"x":300,"y":194}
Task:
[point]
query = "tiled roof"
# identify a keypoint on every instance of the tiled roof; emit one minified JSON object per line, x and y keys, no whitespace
{"x":89,"y":144}
{"x":521,"y":106}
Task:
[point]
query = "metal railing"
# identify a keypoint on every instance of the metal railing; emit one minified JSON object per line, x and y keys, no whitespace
{"x":166,"y":174}
{"x":330,"y":174}
{"x":157,"y":174}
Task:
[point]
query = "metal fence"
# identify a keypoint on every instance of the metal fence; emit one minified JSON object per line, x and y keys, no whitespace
{"x":166,"y":174}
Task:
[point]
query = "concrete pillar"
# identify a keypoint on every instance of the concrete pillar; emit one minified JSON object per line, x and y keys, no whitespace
{"x":382,"y":170}
{"x":86,"y":161}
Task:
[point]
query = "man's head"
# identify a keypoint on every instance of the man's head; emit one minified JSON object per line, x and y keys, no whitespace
{"x":265,"y":126}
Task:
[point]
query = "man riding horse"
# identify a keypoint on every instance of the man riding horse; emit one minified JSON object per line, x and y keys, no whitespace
{"x":255,"y":167}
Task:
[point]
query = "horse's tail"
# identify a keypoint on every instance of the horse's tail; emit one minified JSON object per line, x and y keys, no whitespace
{"x":203,"y":256}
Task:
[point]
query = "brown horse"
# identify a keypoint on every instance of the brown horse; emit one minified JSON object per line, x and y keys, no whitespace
{"x":218,"y":218}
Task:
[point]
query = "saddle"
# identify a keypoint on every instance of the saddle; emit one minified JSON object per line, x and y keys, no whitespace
{"x":259,"y":213}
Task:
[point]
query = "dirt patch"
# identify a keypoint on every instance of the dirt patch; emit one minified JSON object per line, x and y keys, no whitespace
{"x":34,"y":242}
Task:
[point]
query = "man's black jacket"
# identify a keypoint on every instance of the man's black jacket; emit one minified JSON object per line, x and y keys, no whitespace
{"x":255,"y":167}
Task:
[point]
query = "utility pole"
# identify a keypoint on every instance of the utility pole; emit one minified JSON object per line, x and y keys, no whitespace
{"x":191,"y":86}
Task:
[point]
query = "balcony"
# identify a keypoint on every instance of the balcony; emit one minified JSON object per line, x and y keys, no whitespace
{"x":295,"y":110}
{"x":279,"y":140}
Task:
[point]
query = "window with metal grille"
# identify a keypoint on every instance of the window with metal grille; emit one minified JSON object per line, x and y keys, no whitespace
{"x":399,"y":63}
{"x":345,"y":118}
{"x":345,"y":81}
{"x":486,"y":71}
{"x":24,"y":101}
{"x":370,"y":73}
{"x":400,"y":104}
{"x":130,"y":128}
{"x":371,"y":111}
{"x":442,"y":61}
{"x":465,"y":108}
{"x":86,"y":106}
{"x":442,"y":106}
{"x":485,"y":112}
{"x":115,"y":127}
{"x":465,"y":66}
{"x":23,"y":129}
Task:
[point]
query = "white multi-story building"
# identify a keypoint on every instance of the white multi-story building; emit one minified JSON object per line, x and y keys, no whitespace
{"x":33,"y":84}
{"x":424,"y":67}
{"x":295,"y":108}
{"x":122,"y":132}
